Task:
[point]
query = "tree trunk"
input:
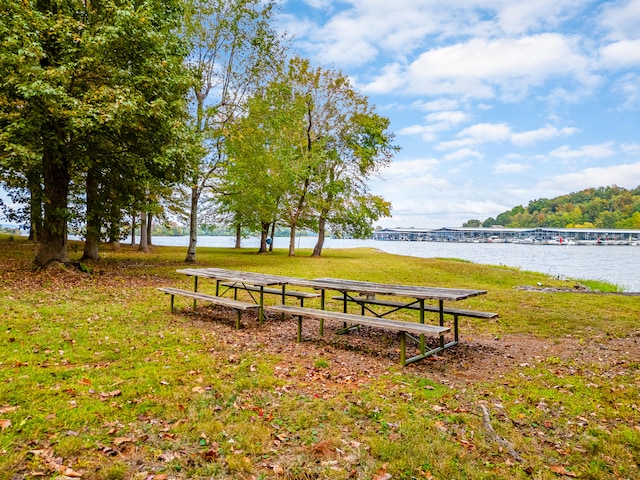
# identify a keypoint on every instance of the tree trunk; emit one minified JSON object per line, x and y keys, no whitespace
{"x":322,"y":222}
{"x":144,"y":246}
{"x":56,"y":177}
{"x":193,"y":226}
{"x":238,"y":236}
{"x":264,"y":233}
{"x":133,"y":229}
{"x":292,"y":241}
{"x":92,"y":240}
{"x":114,"y":228}
{"x":272,"y":236}
{"x":149,"y":228}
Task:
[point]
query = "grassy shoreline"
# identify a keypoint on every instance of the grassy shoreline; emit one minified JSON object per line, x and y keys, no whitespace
{"x":98,"y":379}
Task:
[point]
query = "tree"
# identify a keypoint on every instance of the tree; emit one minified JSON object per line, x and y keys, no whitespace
{"x":232,"y":46}
{"x":346,"y":142}
{"x":474,"y":223}
{"x":84,"y":82}
{"x":264,"y":158}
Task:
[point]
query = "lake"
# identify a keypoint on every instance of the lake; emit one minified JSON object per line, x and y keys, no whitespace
{"x":619,"y":264}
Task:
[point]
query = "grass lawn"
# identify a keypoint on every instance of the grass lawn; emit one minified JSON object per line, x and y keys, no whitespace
{"x":98,"y":380}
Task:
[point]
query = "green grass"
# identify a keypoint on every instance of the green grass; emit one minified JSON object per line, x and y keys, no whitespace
{"x":97,"y":376}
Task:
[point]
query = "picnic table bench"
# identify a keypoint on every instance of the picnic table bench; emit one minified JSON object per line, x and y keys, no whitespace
{"x":237,"y":305}
{"x":402,"y":327}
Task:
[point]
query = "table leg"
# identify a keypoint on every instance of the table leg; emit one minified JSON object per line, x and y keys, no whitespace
{"x":322,"y":308}
{"x":195,"y":289}
{"x":261,"y":309}
{"x":441,"y":303}
{"x":422,"y":338}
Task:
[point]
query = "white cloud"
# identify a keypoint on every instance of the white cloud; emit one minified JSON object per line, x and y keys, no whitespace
{"x":548,"y":132}
{"x":463,"y":154}
{"x":501,"y":132}
{"x":436,"y":122}
{"x":487,"y":132}
{"x":630,"y":148}
{"x":518,"y":16}
{"x":626,"y":176}
{"x":483,"y":68}
{"x":622,"y":19}
{"x":391,"y":79}
{"x":622,"y":54}
{"x":508,"y":168}
{"x":400,"y":169}
{"x":586,"y":152}
{"x":442,"y":104}
{"x":628,"y":86}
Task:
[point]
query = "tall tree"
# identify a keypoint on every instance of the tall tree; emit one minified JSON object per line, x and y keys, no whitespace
{"x":349,"y":141}
{"x":263,"y":154}
{"x":233,"y":45}
{"x":79,"y":77}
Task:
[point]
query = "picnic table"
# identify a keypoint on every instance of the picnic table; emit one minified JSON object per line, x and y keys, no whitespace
{"x":405,"y":297}
{"x":363,"y":293}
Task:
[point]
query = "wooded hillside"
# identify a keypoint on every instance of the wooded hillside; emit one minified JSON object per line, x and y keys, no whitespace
{"x":604,"y":207}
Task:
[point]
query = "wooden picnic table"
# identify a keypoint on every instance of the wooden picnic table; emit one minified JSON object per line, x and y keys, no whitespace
{"x":363,"y":293}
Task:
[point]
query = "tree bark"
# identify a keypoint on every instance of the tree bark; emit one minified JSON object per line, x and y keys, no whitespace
{"x":144,"y":246}
{"x":322,"y":222}
{"x":292,"y":241}
{"x":149,"y":228}
{"x":193,"y":226}
{"x":238,"y":236}
{"x":92,"y":240}
{"x":133,"y":229}
{"x":56,"y":177}
{"x":272,"y":236}
{"x":264,"y":233}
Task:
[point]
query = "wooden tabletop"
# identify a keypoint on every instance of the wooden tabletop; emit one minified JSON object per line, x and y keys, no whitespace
{"x":372,"y":288}
{"x":337,"y":284}
{"x":236,"y":276}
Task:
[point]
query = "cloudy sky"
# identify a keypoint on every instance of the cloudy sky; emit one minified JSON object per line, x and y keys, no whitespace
{"x":494,"y":102}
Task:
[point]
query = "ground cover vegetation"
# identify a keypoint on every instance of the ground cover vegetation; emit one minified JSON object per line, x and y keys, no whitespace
{"x":603,"y":207}
{"x":99,"y":380}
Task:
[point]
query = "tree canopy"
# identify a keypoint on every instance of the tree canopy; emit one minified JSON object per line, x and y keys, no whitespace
{"x":89,"y":92}
{"x":603,"y":207}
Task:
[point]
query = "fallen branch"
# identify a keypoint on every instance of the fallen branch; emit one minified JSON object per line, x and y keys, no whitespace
{"x":486,"y":421}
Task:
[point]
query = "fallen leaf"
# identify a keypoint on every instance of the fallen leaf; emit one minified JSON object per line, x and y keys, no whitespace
{"x":121,"y":440}
{"x":560,"y":470}
{"x":4,"y":423}
{"x":382,"y":474}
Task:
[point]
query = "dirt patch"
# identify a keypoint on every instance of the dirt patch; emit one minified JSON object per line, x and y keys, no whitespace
{"x":369,"y":352}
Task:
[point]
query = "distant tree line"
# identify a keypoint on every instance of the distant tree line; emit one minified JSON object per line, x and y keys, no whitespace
{"x":604,"y":207}
{"x":117,"y":112}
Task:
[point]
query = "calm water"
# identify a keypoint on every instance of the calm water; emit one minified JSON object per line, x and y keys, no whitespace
{"x":615,"y":264}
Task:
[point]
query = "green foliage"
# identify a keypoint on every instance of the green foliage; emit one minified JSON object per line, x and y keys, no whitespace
{"x":90,"y":90}
{"x":604,"y":207}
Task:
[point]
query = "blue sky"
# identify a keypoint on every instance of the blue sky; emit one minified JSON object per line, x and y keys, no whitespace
{"x":494,"y":102}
